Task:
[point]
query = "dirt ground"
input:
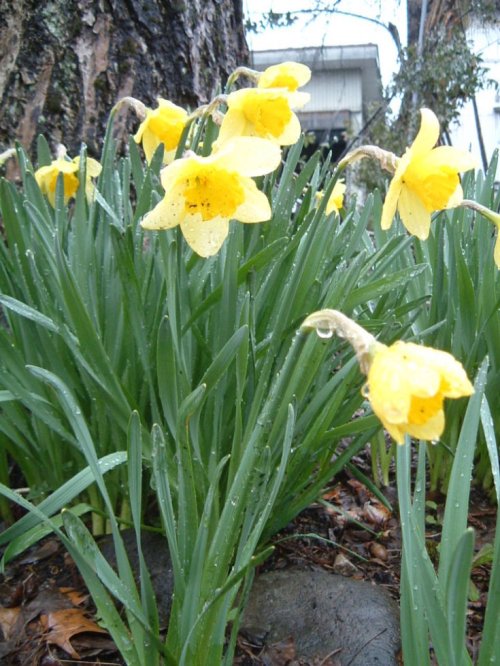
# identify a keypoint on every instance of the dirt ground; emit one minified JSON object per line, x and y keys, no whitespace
{"x":47,"y":617}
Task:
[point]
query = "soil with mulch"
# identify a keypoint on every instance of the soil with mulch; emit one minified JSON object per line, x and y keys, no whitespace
{"x":47,"y":617}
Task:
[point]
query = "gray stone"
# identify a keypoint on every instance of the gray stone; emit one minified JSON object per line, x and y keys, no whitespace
{"x":323,"y":613}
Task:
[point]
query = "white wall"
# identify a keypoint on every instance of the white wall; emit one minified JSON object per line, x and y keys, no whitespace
{"x":486,"y":42}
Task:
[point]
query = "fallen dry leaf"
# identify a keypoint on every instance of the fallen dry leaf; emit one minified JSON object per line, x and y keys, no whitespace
{"x":62,"y":625}
{"x":343,"y":566}
{"x":76,"y":597}
{"x":8,"y":618}
{"x":376,"y":514}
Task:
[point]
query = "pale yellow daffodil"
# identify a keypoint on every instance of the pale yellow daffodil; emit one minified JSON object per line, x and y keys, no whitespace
{"x":336,"y":200}
{"x":263,"y":112}
{"x":202,"y":194}
{"x":426,"y":179}
{"x":289,"y":75}
{"x":407,"y":385}
{"x":163,"y":125}
{"x":47,"y":176}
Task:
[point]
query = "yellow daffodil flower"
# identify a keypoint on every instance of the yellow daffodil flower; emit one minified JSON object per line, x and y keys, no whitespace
{"x":336,"y":200}
{"x":407,"y":385}
{"x":165,"y":125}
{"x":47,"y":176}
{"x":426,"y":179}
{"x":289,"y":75}
{"x":263,"y":112}
{"x":202,"y":194}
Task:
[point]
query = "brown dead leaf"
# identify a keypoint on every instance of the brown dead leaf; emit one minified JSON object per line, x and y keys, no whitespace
{"x":8,"y":619}
{"x":377,"y":514}
{"x":76,"y":597}
{"x":343,"y":566}
{"x":62,"y":625}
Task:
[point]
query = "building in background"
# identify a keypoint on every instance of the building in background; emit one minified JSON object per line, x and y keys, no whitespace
{"x":345,"y":90}
{"x":478,"y":129}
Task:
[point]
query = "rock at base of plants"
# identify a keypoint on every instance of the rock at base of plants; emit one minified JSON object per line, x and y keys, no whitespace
{"x":324,"y":614}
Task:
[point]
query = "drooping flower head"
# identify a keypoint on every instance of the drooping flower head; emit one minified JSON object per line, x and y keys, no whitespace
{"x":406,"y":383}
{"x":263,"y":112}
{"x":202,"y":194}
{"x":289,"y":75}
{"x":163,"y":125}
{"x":47,"y":176}
{"x":336,"y":200}
{"x":426,"y":179}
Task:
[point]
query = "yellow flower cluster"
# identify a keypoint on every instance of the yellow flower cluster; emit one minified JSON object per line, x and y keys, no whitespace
{"x":406,"y":383}
{"x":202,"y":194}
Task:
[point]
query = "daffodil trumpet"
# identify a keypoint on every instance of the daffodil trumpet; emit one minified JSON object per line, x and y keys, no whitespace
{"x":266,"y":113}
{"x":406,"y":383}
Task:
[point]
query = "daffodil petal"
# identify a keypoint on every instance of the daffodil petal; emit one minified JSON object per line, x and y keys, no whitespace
{"x":171,"y":174}
{"x":298,"y":99}
{"x":496,"y":254}
{"x":165,"y":215}
{"x":431,"y":430}
{"x":250,"y":156}
{"x":93,"y":168}
{"x":233,"y":125}
{"x":414,"y":215}
{"x":149,"y":144}
{"x":204,"y":237}
{"x":291,"y":133}
{"x":388,"y":392}
{"x":428,"y":134}
{"x":294,"y":70}
{"x":447,"y":156}
{"x":391,"y":203}
{"x":394,"y":431}
{"x":456,"y":198}
{"x":256,"y":206}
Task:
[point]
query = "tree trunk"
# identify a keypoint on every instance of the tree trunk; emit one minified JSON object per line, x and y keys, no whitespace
{"x":65,"y":63}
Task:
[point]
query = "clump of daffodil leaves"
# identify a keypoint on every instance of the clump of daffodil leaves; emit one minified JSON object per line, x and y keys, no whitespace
{"x":203,"y":194}
{"x":407,"y":384}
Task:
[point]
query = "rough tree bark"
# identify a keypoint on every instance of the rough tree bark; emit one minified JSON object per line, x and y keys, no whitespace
{"x":65,"y":63}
